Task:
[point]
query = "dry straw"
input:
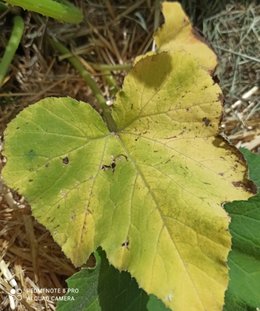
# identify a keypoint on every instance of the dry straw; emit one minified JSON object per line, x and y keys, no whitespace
{"x":235,"y":35}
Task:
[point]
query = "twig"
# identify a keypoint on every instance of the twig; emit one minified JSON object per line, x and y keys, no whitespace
{"x":245,"y":96}
{"x":239,"y":54}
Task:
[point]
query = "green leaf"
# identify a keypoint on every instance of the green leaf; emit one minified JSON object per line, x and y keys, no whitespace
{"x":253,"y":161}
{"x":105,"y":288}
{"x":244,"y":259}
{"x":62,"y":10}
{"x":150,"y":194}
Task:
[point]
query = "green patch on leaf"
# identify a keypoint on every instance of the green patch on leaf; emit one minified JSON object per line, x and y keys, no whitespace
{"x":244,"y":259}
{"x":105,"y":288}
{"x":253,"y":161}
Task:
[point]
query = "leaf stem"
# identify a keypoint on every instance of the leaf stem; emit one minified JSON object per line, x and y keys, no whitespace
{"x":106,"y":67}
{"x":102,"y":67}
{"x":75,"y":62}
{"x":11,"y":47}
{"x":65,"y":11}
{"x":111,"y":82}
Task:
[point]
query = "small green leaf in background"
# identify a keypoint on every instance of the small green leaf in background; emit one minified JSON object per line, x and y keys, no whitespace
{"x":63,"y":10}
{"x":244,"y":260}
{"x":105,"y":288}
{"x":253,"y":162}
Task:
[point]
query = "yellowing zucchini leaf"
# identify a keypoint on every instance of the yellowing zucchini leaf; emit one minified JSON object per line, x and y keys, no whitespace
{"x":177,"y":34}
{"x":150,"y":194}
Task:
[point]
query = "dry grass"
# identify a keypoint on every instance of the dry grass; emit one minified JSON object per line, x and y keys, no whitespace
{"x":113,"y":33}
{"x":235,"y":35}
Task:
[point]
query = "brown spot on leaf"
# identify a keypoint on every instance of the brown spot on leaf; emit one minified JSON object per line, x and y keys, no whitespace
{"x":206,"y":121}
{"x":125,"y":244}
{"x":65,"y":160}
{"x":215,"y":79}
{"x":221,"y":97}
{"x":238,"y":184}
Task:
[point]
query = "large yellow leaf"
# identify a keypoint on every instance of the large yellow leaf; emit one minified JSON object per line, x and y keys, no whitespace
{"x":151,"y":193}
{"x":177,"y":34}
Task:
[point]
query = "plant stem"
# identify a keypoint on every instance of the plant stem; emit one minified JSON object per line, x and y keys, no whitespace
{"x":106,"y":113}
{"x":106,"y":67}
{"x":11,"y":47}
{"x":102,"y":67}
{"x":65,"y":12}
{"x":111,"y":82}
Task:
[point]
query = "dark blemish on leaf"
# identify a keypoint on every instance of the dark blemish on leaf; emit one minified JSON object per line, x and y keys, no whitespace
{"x":126,"y":244}
{"x":105,"y":167}
{"x":155,"y":150}
{"x":248,"y":185}
{"x":47,"y":165}
{"x":18,"y":128}
{"x":30,"y":180}
{"x":65,"y":160}
{"x":169,"y":159}
{"x":112,"y":165}
{"x":206,"y":121}
{"x":58,"y":206}
{"x":171,"y":137}
{"x":221,"y":97}
{"x":221,"y":174}
{"x":215,"y":79}
{"x":187,"y":109}
{"x":238,"y":184}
